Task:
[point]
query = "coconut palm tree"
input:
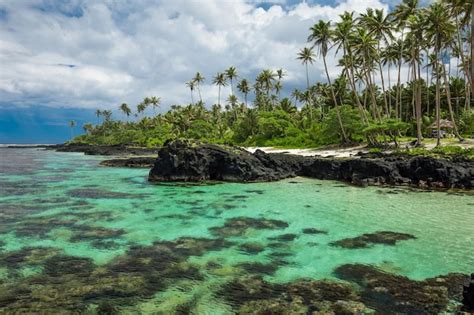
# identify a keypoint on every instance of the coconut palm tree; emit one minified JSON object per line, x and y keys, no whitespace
{"x":244,"y":87}
{"x":306,"y":55}
{"x":125,"y":109}
{"x":98,"y":113}
{"x":220,"y":80}
{"x":231,"y":74}
{"x":141,"y":108}
{"x":198,"y":79}
{"x":155,"y":102}
{"x":107,"y":114}
{"x":399,"y":17}
{"x":72,"y":124}
{"x":191,"y":85}
{"x":380,"y":26}
{"x":88,"y":128}
{"x":321,"y":38}
{"x":437,"y":30}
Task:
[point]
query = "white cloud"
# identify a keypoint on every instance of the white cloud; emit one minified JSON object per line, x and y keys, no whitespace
{"x":123,"y":51}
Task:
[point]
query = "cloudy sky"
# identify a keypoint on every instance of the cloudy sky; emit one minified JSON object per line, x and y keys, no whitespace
{"x":78,"y":55}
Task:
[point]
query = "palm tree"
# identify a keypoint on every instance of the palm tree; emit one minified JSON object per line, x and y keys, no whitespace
{"x":198,"y":79}
{"x":220,"y":80}
{"x":88,"y":128}
{"x":400,"y":16}
{"x":125,"y":109}
{"x":155,"y":102}
{"x":191,"y":84}
{"x":436,"y":29}
{"x":107,"y":115}
{"x":244,"y":87}
{"x":306,"y":55}
{"x":141,"y":107}
{"x":342,"y":37}
{"x":321,"y":36}
{"x":72,"y":124}
{"x":98,"y":113}
{"x":379,"y":25}
{"x":231,"y":74}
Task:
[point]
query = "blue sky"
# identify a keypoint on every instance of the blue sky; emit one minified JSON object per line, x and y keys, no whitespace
{"x":61,"y":60}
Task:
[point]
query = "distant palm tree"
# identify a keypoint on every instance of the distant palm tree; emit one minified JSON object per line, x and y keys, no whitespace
{"x":107,"y":114}
{"x":244,"y":88}
{"x":191,"y":85}
{"x":198,"y":79}
{"x":125,"y":109}
{"x":155,"y":102}
{"x":72,"y":124}
{"x":141,"y":108}
{"x":220,"y":80}
{"x":231,"y":74}
{"x":98,"y":113}
{"x":88,"y":128}
{"x":306,"y":55}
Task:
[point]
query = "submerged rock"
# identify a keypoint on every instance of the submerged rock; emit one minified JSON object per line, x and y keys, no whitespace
{"x":468,"y":296}
{"x":394,"y":294}
{"x":238,"y":226}
{"x":366,"y":240}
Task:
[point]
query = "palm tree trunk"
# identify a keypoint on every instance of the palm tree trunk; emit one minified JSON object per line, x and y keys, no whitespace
{"x":450,"y":107}
{"x":472,"y":52}
{"x":389,"y":91}
{"x":427,"y":85}
{"x":199,"y":91}
{"x":398,"y":105}
{"x":309,"y":97}
{"x":192,"y":97}
{"x":438,"y":101}
{"x":387,"y":113}
{"x":338,"y":114}
{"x":219,"y":96}
{"x":417,"y":82}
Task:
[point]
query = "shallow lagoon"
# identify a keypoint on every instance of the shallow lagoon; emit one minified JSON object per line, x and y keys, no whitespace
{"x":54,"y":206}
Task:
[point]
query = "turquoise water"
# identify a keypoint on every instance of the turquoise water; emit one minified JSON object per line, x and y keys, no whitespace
{"x":65,"y":205}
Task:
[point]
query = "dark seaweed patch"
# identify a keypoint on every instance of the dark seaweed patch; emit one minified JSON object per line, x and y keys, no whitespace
{"x":259,"y":268}
{"x":366,"y":240}
{"x":238,"y":226}
{"x":284,"y":237}
{"x":252,"y":248}
{"x":389,"y":293}
{"x":92,"y":193}
{"x":313,"y":231}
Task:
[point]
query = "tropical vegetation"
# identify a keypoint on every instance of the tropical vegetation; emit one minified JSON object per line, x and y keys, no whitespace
{"x":364,"y":102}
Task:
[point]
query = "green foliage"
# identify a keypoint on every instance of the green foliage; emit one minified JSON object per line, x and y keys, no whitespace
{"x":330,"y":131}
{"x":467,"y":122}
{"x":440,"y":152}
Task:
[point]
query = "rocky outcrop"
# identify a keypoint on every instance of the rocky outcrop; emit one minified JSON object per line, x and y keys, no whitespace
{"x":102,"y":149}
{"x":133,"y":162}
{"x":185,"y":161}
{"x":190,"y":161}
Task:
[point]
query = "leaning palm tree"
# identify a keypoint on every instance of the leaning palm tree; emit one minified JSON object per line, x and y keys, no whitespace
{"x":244,"y":87}
{"x":220,"y":80}
{"x":306,"y":55}
{"x":231,"y":74}
{"x":191,"y":84}
{"x":125,"y":109}
{"x":98,"y":113}
{"x":155,"y":102}
{"x":321,"y":38}
{"x":72,"y":124}
{"x":198,"y":79}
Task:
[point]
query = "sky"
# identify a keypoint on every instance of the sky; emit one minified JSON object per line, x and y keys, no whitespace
{"x":62,"y":60}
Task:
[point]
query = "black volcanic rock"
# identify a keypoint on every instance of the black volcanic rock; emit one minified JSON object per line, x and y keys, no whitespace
{"x":133,"y":162}
{"x":193,"y":161}
{"x":102,"y":149}
{"x":468,"y":296}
